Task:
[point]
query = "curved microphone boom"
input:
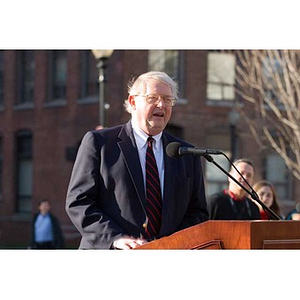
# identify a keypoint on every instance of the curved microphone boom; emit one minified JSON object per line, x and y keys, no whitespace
{"x":175,"y":149}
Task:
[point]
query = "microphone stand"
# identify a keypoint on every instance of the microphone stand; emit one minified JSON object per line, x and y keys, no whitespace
{"x":252,"y":193}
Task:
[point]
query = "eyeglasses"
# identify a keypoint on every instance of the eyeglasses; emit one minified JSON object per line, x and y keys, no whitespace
{"x":154,"y":99}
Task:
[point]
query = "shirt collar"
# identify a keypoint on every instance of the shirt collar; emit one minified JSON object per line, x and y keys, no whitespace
{"x":141,"y":137}
{"x":46,"y":215}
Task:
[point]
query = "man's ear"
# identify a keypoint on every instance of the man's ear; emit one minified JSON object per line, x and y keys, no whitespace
{"x":131,"y":101}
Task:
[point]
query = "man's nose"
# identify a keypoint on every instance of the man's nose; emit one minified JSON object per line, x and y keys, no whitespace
{"x":160,"y":101}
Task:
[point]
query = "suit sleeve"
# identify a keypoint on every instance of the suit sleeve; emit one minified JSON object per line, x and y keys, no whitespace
{"x":83,"y":201}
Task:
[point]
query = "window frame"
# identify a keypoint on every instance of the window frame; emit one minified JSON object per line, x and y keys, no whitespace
{"x":53,"y":100}
{"x":20,"y":137}
{"x":222,"y":84}
{"x":23,"y":61}
{"x":87,"y":64}
{"x":178,"y":73}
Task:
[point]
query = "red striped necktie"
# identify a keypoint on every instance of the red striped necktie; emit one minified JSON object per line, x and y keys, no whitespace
{"x":153,"y":193}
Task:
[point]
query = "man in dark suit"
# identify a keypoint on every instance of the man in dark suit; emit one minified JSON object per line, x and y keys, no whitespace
{"x":107,"y":198}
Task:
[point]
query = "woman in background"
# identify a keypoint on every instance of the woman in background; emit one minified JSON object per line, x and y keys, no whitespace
{"x":267,"y":195}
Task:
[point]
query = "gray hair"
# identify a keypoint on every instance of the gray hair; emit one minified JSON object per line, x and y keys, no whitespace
{"x":136,"y":86}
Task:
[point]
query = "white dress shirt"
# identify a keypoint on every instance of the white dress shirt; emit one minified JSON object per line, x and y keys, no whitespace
{"x":141,"y":142}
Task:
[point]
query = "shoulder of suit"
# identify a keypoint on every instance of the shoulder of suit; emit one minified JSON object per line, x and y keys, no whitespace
{"x":105,"y":133}
{"x":108,"y":130}
{"x":169,"y":138}
{"x":218,"y":197}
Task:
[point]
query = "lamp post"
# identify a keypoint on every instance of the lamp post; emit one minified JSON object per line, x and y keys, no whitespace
{"x":233,"y":118}
{"x":102,"y":57}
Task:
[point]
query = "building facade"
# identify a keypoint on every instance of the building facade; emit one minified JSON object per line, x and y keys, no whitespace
{"x":50,"y":98}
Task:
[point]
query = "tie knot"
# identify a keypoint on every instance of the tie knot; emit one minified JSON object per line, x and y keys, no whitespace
{"x":150,"y":140}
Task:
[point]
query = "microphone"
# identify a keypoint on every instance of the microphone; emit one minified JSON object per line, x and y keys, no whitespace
{"x":175,"y":149}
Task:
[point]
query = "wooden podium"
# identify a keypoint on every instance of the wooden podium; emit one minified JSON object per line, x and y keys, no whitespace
{"x":233,"y":235}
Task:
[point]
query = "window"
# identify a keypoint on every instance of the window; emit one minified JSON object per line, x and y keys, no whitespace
{"x":89,"y":75}
{"x":170,"y":62}
{"x":25,"y":76}
{"x":220,"y":76}
{"x":57,"y":75}
{"x":277,"y":173}
{"x":273,"y":82}
{"x":1,"y":77}
{"x":24,"y":171}
{"x":216,"y":180}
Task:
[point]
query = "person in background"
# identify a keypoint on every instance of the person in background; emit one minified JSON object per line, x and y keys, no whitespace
{"x":124,"y":190}
{"x":46,"y":231}
{"x":233,"y":203}
{"x":266,"y":192}
{"x":294,"y":214}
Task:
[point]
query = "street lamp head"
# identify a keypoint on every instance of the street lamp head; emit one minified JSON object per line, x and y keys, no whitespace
{"x":99,"y":54}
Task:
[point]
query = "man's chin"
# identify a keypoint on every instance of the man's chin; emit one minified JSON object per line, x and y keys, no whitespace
{"x":156,"y":128}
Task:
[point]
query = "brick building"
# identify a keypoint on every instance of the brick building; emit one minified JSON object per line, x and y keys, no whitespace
{"x":49,"y":99}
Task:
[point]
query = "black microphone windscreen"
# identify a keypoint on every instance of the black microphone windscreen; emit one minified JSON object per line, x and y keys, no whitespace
{"x":173,"y":149}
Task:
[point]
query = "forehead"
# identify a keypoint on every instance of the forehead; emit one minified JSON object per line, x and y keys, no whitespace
{"x":245,"y":167}
{"x":266,"y":189}
{"x":153,"y":86}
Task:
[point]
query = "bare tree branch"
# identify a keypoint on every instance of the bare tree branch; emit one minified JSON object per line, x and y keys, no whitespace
{"x":269,"y":80}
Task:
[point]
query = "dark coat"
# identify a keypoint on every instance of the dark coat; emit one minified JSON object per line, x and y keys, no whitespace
{"x":58,"y":242}
{"x":221,"y":207}
{"x":106,"y":194}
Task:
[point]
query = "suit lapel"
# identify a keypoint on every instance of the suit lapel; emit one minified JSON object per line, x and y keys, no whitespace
{"x":128,"y":148}
{"x":131,"y":157}
{"x":168,"y":203}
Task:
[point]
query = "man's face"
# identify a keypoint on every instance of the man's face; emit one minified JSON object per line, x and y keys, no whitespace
{"x":151,"y":118}
{"x":44,"y":207}
{"x":248,"y":173}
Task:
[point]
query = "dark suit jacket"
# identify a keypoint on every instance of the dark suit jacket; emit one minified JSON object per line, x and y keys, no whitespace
{"x":106,"y":194}
{"x":220,"y":208}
